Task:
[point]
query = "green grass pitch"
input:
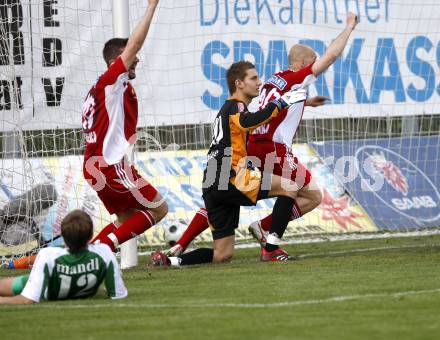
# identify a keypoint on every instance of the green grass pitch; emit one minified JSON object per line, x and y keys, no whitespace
{"x":370,"y":289}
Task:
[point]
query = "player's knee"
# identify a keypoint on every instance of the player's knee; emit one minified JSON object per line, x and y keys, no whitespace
{"x":124,"y":215}
{"x":221,"y":257}
{"x":164,"y":209}
{"x":289,"y":193}
{"x":160,"y":212}
{"x":316,"y":197}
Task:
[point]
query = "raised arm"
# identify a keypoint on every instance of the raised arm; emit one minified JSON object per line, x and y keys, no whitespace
{"x":137,"y":37}
{"x":336,"y":47}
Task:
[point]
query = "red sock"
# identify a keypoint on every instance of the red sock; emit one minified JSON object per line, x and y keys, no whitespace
{"x":109,"y":228}
{"x":266,"y":222}
{"x":198,"y":224}
{"x":135,"y":225}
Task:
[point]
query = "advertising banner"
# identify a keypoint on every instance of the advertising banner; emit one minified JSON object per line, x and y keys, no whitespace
{"x":395,"y":180}
{"x":52,"y":54}
{"x":178,"y":176}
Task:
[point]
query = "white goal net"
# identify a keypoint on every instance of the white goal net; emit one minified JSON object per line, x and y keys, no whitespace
{"x":373,"y":147}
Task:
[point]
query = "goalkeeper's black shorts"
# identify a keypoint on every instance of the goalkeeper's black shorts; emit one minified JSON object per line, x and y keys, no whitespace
{"x":223,"y":206}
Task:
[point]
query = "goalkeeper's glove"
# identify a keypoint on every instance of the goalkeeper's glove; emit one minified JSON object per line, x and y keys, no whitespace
{"x":291,"y":97}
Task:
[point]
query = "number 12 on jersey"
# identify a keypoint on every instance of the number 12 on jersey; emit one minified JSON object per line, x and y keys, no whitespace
{"x":82,"y":286}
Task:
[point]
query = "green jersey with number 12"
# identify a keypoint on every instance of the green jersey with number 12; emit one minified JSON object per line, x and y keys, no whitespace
{"x":58,"y":274}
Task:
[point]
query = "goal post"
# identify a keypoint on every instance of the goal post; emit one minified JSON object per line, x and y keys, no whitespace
{"x":121,"y":29}
{"x":373,"y":147}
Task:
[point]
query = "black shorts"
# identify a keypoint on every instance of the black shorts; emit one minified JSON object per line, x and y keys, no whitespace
{"x":223,"y":208}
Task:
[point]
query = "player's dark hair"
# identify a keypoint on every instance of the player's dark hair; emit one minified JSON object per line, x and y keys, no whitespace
{"x":112,"y":48}
{"x":237,"y":71}
{"x":77,"y":230}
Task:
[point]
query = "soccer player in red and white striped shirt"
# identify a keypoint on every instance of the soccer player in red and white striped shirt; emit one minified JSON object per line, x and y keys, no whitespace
{"x":271,"y":143}
{"x":110,"y":115}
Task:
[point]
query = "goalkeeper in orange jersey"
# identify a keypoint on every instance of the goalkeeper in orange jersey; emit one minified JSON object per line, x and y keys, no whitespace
{"x":67,"y":273}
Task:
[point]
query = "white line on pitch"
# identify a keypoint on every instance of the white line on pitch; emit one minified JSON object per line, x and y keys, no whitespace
{"x":246,"y":305}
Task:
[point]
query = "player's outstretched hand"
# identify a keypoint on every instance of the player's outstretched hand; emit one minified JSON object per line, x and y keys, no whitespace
{"x":293,"y":96}
{"x":352,"y":20}
{"x":153,"y":2}
{"x":316,"y":101}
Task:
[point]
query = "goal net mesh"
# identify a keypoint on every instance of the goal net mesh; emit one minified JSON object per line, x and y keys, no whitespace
{"x":373,"y":147}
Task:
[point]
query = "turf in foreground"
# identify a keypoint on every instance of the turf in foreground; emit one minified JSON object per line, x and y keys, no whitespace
{"x":375,"y":289}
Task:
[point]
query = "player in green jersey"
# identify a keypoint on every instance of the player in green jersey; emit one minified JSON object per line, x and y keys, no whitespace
{"x":73,"y":272}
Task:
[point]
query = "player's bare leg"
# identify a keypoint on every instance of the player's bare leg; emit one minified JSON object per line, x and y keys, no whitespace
{"x":11,"y":288}
{"x":309,"y":197}
{"x":6,"y":286}
{"x":223,"y":249}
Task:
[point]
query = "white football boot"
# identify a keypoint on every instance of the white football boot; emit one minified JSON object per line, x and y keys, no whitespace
{"x":258,"y":233}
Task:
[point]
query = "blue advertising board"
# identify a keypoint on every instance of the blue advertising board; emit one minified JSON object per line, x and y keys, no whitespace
{"x":396,"y":180}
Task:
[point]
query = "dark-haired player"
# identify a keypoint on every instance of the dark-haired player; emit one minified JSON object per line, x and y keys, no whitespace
{"x":67,"y":273}
{"x":110,"y":115}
